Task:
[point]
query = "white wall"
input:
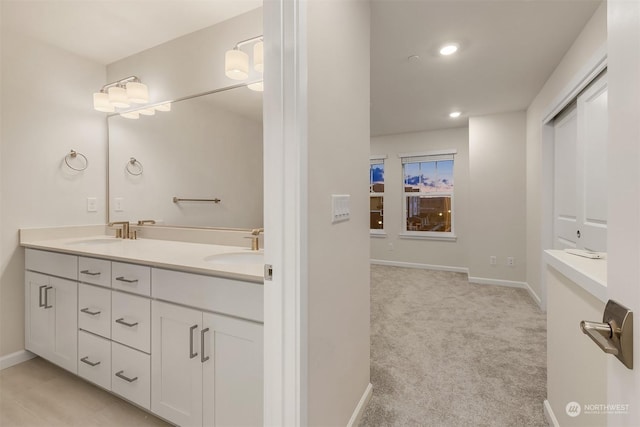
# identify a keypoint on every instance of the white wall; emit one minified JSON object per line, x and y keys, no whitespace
{"x":47,"y":111}
{"x":338,"y":256}
{"x":436,"y":254}
{"x":592,"y":38}
{"x":496,"y":196}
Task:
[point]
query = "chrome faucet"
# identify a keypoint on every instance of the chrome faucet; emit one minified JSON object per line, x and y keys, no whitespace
{"x":121,"y":233}
{"x":255,"y":238}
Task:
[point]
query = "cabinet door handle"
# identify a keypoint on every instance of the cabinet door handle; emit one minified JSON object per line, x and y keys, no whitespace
{"x":122,"y":322}
{"x":88,"y":362}
{"x":46,"y":297}
{"x":120,"y":374}
{"x":122,"y":279}
{"x":191,"y":352}
{"x":202,"y":356}
{"x":93,"y":313}
{"x":90,"y":273}
{"x":40,"y":303}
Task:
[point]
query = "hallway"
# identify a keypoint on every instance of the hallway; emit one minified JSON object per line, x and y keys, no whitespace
{"x":445,"y":352}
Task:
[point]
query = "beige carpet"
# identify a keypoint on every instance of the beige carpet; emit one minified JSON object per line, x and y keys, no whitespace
{"x":445,"y":352}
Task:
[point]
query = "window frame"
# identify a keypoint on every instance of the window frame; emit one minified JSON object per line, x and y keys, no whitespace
{"x":376,"y":232}
{"x":439,"y":155}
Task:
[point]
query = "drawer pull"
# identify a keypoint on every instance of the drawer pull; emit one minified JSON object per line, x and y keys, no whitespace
{"x":88,"y":362}
{"x":120,"y":374}
{"x":40,"y":303}
{"x":122,"y":322}
{"x":46,"y":297}
{"x":191,"y":352}
{"x":202,"y":356}
{"x":93,"y":313}
{"x":90,"y":273}
{"x":122,"y":279}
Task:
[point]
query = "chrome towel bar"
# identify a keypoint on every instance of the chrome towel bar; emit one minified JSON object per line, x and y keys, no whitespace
{"x":177,"y":199}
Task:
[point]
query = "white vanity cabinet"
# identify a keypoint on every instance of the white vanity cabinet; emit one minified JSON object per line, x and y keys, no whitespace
{"x":51,"y":301}
{"x":206,"y":368}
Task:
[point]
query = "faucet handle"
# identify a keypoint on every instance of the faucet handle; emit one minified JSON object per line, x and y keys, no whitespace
{"x":146,"y":221}
{"x":257,"y":231}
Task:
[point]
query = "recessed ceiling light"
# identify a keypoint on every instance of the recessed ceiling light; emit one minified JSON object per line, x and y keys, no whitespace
{"x":414,"y":58}
{"x":454,"y":114}
{"x":449,"y":49}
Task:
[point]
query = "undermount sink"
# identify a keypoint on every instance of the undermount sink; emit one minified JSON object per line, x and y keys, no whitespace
{"x":248,"y":257}
{"x":96,"y":241}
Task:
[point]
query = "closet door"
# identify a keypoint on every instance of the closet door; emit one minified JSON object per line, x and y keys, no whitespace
{"x":565,"y":213}
{"x":592,"y":158}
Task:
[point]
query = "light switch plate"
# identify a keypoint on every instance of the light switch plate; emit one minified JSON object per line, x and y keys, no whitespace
{"x":117,"y":204}
{"x":340,"y":207}
{"x":92,"y":204}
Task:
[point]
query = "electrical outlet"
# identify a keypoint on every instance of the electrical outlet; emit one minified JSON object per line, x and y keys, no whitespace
{"x":92,"y":204}
{"x":493,"y":260}
{"x":511,"y":261}
{"x":117,"y":204}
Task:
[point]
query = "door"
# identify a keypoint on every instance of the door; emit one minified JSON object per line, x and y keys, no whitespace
{"x":63,"y":297}
{"x":176,"y":369}
{"x":232,"y":371}
{"x":623,"y":268}
{"x":580,"y":171}
{"x":592,"y":163}
{"x":38,"y":337}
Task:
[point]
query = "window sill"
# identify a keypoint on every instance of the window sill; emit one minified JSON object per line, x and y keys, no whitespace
{"x":377,"y":233}
{"x":448,"y":238}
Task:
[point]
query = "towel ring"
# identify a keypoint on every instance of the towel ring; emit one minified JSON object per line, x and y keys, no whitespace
{"x":132,"y":165}
{"x":74,"y":154}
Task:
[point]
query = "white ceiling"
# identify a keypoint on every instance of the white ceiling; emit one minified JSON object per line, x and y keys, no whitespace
{"x":109,"y":30}
{"x":509,"y":47}
{"x":508,"y":50}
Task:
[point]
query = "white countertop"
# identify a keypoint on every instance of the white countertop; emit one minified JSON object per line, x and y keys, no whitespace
{"x":589,"y":274}
{"x":182,"y":256}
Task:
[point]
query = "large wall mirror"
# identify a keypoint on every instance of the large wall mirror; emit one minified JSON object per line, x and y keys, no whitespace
{"x":206,"y":147}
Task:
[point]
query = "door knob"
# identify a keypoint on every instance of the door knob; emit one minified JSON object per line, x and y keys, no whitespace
{"x":614,"y":335}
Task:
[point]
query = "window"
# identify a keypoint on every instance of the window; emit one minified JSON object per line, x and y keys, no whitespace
{"x":428,"y":194}
{"x":376,"y":193}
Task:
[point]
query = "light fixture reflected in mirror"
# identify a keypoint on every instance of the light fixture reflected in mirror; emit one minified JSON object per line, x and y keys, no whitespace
{"x":236,"y":62}
{"x":163,"y":107}
{"x":130,"y":115}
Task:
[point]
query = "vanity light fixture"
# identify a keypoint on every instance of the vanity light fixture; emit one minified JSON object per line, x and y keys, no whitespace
{"x":163,"y":107}
{"x":236,"y":61}
{"x":131,"y":115}
{"x":449,"y":49}
{"x":146,"y":111}
{"x":120,"y":94}
{"x":256,"y":86}
{"x":455,"y":114}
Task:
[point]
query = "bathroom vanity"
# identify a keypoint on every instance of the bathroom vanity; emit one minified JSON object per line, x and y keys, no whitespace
{"x":174,"y":327}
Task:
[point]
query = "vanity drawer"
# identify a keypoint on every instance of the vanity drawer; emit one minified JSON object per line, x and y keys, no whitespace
{"x":131,"y":374}
{"x":52,"y":263}
{"x":131,"y":320}
{"x":95,"y":271}
{"x":94,"y":359}
{"x":131,"y":278}
{"x":94,"y":309}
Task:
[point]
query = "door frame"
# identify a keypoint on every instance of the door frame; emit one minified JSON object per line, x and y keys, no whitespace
{"x":285,"y":213}
{"x":592,"y":68}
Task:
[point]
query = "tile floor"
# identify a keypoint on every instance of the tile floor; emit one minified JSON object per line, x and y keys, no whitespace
{"x":37,"y":393}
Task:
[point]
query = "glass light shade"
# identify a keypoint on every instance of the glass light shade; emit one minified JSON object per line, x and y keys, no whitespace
{"x":258,"y":57}
{"x":163,"y":107}
{"x":449,"y":49}
{"x":101,"y":103}
{"x":236,"y":64}
{"x":137,"y":92}
{"x":131,"y":115}
{"x":257,"y":86}
{"x":118,"y":97}
{"x":147,"y":111}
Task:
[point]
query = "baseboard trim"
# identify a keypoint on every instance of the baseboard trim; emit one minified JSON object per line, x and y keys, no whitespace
{"x":420,"y":266}
{"x":362,"y":404}
{"x":510,"y":284}
{"x":12,"y":359}
{"x":549,"y":415}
